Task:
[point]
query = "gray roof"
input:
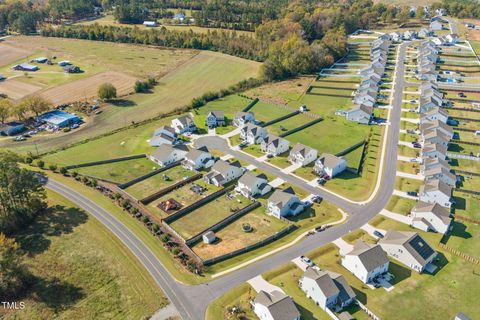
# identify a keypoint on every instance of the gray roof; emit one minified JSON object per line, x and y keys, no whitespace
{"x":185,"y":120}
{"x":164,"y":128}
{"x":219,"y":114}
{"x":436,"y":209}
{"x":329,"y":160}
{"x":222,"y":167}
{"x":346,"y":292}
{"x":280,"y":305}
{"x":300,"y":148}
{"x":249,"y":178}
{"x":193,"y":154}
{"x":412,"y":242}
{"x":281,"y":197}
{"x":436,"y":184}
{"x":323,"y":280}
{"x":273,"y":139}
{"x":164,"y":151}
{"x":242,"y":114}
{"x":371,"y":256}
{"x":461,"y":316}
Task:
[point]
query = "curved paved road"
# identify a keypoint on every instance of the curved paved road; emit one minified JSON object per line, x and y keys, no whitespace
{"x":192,"y":301}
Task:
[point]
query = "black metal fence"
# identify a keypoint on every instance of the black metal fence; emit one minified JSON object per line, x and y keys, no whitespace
{"x":96,"y":163}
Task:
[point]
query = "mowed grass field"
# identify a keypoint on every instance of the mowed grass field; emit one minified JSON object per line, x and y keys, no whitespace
{"x":232,"y":237}
{"x":81,"y":271}
{"x":184,"y":77}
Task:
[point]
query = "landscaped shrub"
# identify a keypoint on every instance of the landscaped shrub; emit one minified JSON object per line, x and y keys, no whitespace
{"x":63,"y":170}
{"x":52,"y":167}
{"x":40,"y":164}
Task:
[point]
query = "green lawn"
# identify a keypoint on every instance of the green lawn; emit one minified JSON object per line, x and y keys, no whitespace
{"x":232,"y":237}
{"x":406,"y":125}
{"x":208,"y":214}
{"x":400,"y":205}
{"x":79,"y":270}
{"x":408,"y":167}
{"x":465,"y":165}
{"x":158,"y":182}
{"x":254,"y":150}
{"x":467,"y":204}
{"x":281,"y":160}
{"x":239,"y":298}
{"x":265,"y":111}
{"x":288,"y":124}
{"x":120,"y":172}
{"x":306,"y":172}
{"x":407,"y":137}
{"x":357,"y":235}
{"x":405,"y":184}
{"x":407,"y":151}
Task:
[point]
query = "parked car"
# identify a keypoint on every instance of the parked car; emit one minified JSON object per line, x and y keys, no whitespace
{"x":416,"y":145}
{"x":316,"y":199}
{"x":378,"y":234}
{"x":243,"y":144}
{"x":19,"y":138}
{"x":307,"y":261}
{"x":412,"y":193}
{"x":269,"y":156}
{"x":321,"y":181}
{"x":320,"y":228}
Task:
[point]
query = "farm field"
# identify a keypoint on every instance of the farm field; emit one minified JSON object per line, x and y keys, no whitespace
{"x":100,"y":280}
{"x":119,"y":172}
{"x":232,"y":237}
{"x":208,"y":214}
{"x":205,"y":71}
{"x":16,"y":90}
{"x":281,"y":92}
{"x":124,"y":143}
{"x":158,"y":182}
{"x":11,"y":54}
{"x":87,"y":88}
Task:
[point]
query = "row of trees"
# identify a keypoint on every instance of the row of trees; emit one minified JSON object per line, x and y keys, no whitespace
{"x":32,"y":105}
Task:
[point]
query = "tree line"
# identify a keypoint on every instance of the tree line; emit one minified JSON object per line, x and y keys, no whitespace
{"x":31,"y":105}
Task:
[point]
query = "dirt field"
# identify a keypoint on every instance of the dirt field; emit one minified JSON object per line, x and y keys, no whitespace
{"x":87,"y":88}
{"x":9,"y":54}
{"x":473,"y":34}
{"x":16,"y":90}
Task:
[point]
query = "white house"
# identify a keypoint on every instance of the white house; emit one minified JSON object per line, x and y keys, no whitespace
{"x":184,"y":124}
{"x":223,"y":172}
{"x":284,"y":203}
{"x":433,"y":150}
{"x":436,"y":25}
{"x":251,"y":185}
{"x":436,"y":191}
{"x":274,"y":306}
{"x":167,"y":154}
{"x":452,"y":38}
{"x":432,"y":163}
{"x":409,"y":248}
{"x":197,"y":159}
{"x":164,"y":134}
{"x":441,"y":173}
{"x":360,"y":114}
{"x":431,"y":217}
{"x":366,"y":262}
{"x":434,"y":136}
{"x":215,"y":118}
{"x":253,"y":134}
{"x":327,"y":289}
{"x":436,"y":113}
{"x":242,"y":118}
{"x":330,"y":165}
{"x":302,"y":154}
{"x":274,"y":145}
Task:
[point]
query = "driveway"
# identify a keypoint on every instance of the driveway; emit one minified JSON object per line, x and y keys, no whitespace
{"x":260,"y":284}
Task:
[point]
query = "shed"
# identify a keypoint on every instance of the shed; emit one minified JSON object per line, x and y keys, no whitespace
{"x":209,"y":237}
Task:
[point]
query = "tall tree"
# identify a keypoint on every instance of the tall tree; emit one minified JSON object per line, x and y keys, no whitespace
{"x":36,"y":104}
{"x":11,"y":270}
{"x":6,"y":107}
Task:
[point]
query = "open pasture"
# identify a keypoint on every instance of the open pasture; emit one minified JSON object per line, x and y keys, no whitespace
{"x":9,"y":54}
{"x":16,"y":90}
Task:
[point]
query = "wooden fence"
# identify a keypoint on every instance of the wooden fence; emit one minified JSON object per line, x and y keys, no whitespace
{"x":460,"y":254}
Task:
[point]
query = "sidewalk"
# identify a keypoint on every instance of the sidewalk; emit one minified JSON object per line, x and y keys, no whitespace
{"x":277,"y":182}
{"x":415,"y":121}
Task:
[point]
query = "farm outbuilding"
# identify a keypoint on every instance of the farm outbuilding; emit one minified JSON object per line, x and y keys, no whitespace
{"x":25,"y":67}
{"x":59,"y":119}
{"x":209,"y":237}
{"x":11,"y":128}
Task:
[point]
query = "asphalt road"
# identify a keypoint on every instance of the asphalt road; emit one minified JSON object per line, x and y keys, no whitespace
{"x":192,"y":301}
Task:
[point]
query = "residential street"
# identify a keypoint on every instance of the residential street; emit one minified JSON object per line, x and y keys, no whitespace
{"x":192,"y":301}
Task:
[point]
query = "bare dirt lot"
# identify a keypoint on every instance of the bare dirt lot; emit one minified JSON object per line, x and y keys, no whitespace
{"x":9,"y":54}
{"x":87,"y":88}
{"x":16,"y":90}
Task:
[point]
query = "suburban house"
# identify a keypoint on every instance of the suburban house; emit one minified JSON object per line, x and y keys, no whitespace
{"x":441,"y":173}
{"x":274,"y":145}
{"x":431,"y":217}
{"x":366,"y":97}
{"x":284,"y":203}
{"x":167,"y":154}
{"x":436,"y":191}
{"x":360,"y":114}
{"x":436,"y":25}
{"x":439,"y":41}
{"x":164,"y":134}
{"x":431,"y":163}
{"x":251,"y":185}
{"x":223,"y":172}
{"x":275,"y":306}
{"x":366,"y":261}
{"x":435,"y":113}
{"x":423,"y":33}
{"x":330,"y":165}
{"x":24,"y":67}
{"x":184,"y":124}
{"x":436,"y":124}
{"x":434,"y":136}
{"x":242,"y":118}
{"x":396,"y":36}
{"x":327,"y":289}
{"x":253,"y":134}
{"x":11,"y":128}
{"x":301,"y":154}
{"x":197,"y":159}
{"x":452,"y":38}
{"x":433,"y":150}
{"x":410,"y":35}
{"x":215,"y":118}
{"x":409,"y":248}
